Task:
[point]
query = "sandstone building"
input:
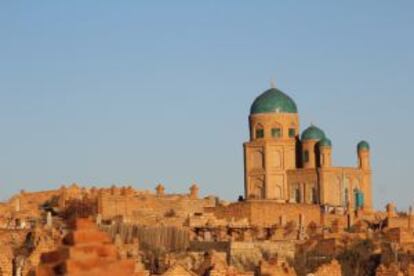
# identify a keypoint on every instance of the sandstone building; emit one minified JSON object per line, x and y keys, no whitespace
{"x":285,"y":167}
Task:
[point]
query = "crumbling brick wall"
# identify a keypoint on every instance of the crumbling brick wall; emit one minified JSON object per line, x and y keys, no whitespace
{"x":249,"y":254}
{"x":268,"y":213}
{"x":399,"y":235}
{"x":398,"y":222}
{"x":138,"y":207}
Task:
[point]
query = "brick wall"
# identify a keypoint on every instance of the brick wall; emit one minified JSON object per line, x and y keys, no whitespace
{"x":401,"y":222}
{"x":249,"y":254}
{"x":335,"y":221}
{"x":238,"y":211}
{"x":146,"y":208}
{"x":268,"y":213}
{"x":203,"y":246}
{"x":399,"y":235}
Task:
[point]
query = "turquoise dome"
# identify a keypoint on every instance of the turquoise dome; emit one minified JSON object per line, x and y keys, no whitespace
{"x":273,"y":101}
{"x":363,"y":145}
{"x":325,"y":142}
{"x":313,"y":133}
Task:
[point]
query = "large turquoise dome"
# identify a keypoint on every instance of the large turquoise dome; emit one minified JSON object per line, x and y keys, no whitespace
{"x":313,"y":133}
{"x":273,"y":101}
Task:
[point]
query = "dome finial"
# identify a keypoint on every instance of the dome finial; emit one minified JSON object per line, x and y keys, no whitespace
{"x":272,"y":83}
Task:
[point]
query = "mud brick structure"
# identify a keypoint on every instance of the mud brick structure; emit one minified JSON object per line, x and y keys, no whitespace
{"x":86,"y":251}
{"x":284,"y":166}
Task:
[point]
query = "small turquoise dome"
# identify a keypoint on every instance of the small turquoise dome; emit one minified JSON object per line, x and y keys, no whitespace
{"x":325,"y":142}
{"x":313,"y":133}
{"x":273,"y":101}
{"x":363,"y":145}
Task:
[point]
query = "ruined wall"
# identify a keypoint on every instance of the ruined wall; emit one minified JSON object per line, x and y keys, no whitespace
{"x":237,"y":211}
{"x":399,"y":222}
{"x":326,"y":247}
{"x":150,"y":208}
{"x":335,"y":220}
{"x":248,"y":255}
{"x":24,"y":205}
{"x":399,"y":235}
{"x":268,"y":213}
{"x":168,"y":238}
{"x":203,"y":246}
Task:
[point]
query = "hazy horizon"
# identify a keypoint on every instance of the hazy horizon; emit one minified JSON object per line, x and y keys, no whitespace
{"x":137,"y":93}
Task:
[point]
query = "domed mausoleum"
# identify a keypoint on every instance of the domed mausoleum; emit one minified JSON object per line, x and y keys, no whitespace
{"x":286,"y":167}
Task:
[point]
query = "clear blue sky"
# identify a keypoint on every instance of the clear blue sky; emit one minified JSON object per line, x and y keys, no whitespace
{"x":141,"y":92}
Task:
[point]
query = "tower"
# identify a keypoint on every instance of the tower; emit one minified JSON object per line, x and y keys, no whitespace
{"x":325,"y":151}
{"x":364,"y":156}
{"x":324,"y":172}
{"x":274,"y":128}
{"x":310,"y":152}
{"x":364,"y":159}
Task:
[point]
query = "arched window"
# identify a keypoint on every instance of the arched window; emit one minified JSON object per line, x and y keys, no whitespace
{"x":276,"y":132}
{"x":257,"y":191}
{"x":306,"y":156}
{"x":292,"y":130}
{"x":314,"y":196}
{"x":259,"y":131}
{"x":346,"y":197}
{"x":359,"y":199}
{"x":297,"y":195}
